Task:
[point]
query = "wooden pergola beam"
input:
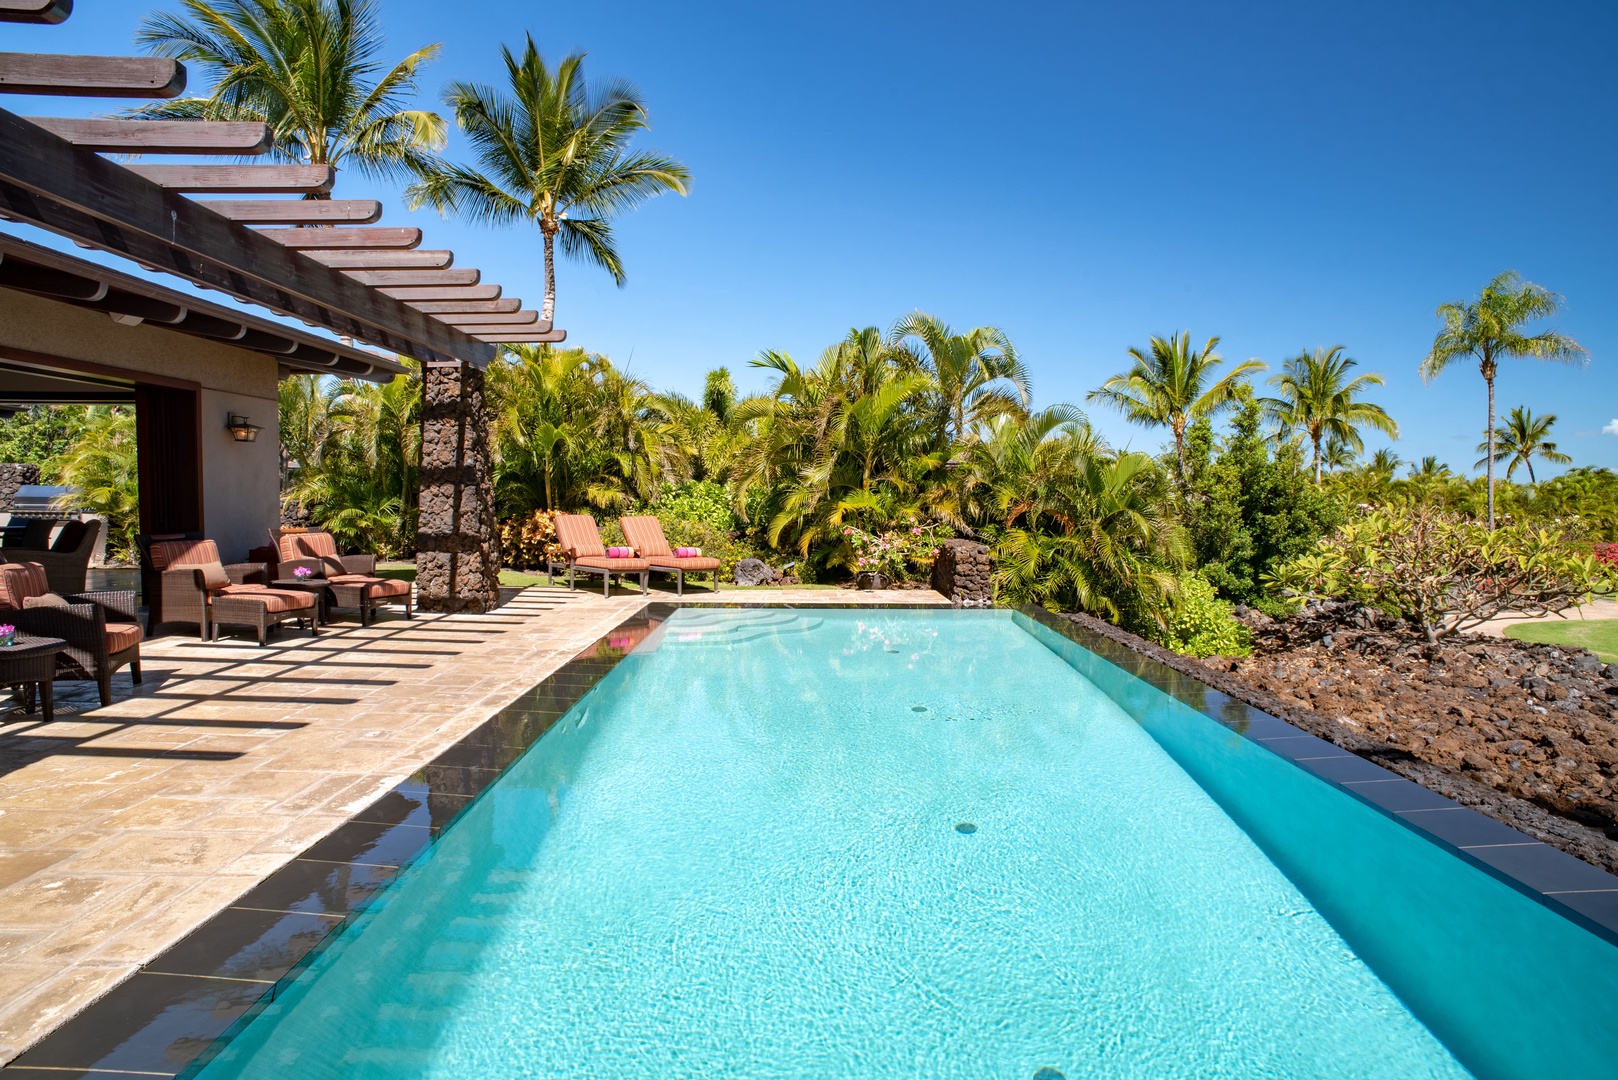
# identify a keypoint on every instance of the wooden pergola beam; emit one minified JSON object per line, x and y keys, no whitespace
{"x":47,"y":182}
{"x":385,"y":236}
{"x":241,"y":179}
{"x":397,"y":278}
{"x":382,"y":259}
{"x":295,"y":211}
{"x":90,"y":76}
{"x":496,"y":336}
{"x":466,"y":307}
{"x":442,"y":292}
{"x":158,"y":136}
{"x":48,"y":12}
{"x":528,"y":319}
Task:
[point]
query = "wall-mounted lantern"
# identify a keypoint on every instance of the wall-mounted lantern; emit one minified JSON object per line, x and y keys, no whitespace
{"x":241,"y":430}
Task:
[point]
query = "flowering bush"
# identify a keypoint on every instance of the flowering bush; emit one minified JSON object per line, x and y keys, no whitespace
{"x":897,"y":553}
{"x":1444,"y":573}
{"x":526,"y":541}
{"x":1606,"y":554}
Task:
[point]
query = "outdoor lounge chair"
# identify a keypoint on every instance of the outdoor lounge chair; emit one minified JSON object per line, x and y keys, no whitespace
{"x":195,"y":587}
{"x":351,"y":579}
{"x":582,"y":549}
{"x":101,"y":629}
{"x":66,"y":559}
{"x":645,"y":534}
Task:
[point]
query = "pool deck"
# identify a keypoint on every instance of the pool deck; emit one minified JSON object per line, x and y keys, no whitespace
{"x":124,"y":828}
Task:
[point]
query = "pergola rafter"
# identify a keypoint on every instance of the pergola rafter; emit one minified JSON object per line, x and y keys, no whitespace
{"x":318,"y":260}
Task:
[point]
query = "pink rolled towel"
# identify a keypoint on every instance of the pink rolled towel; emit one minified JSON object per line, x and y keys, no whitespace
{"x":688,"y":553}
{"x":620,"y":553}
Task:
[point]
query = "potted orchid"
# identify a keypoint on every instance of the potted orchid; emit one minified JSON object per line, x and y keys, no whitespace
{"x":880,"y":559}
{"x":302,"y":573}
{"x":8,"y":634}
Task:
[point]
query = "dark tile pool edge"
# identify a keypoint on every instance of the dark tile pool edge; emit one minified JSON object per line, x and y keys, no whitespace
{"x":133,"y":1025}
{"x":1583,"y":894}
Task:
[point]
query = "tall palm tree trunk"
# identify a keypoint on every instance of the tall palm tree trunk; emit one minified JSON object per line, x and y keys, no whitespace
{"x":1488,"y":367}
{"x":549,"y":310}
{"x":1317,"y":458}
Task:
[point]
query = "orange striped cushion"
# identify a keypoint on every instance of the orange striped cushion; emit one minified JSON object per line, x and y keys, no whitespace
{"x":578,"y":536}
{"x":168,"y":553}
{"x":646,"y":534}
{"x":18,"y":581}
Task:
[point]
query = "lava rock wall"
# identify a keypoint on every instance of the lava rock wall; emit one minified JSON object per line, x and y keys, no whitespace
{"x":457,"y":538}
{"x":12,"y":477}
{"x":961,"y":572}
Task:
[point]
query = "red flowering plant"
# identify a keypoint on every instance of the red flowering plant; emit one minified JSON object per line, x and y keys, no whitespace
{"x":1606,"y":554}
{"x":898,"y":552}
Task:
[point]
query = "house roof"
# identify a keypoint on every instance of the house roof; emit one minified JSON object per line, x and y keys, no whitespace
{"x":29,"y":268}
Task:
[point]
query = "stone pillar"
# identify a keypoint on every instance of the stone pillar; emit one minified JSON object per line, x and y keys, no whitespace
{"x":457,"y":542}
{"x":961,"y":572}
{"x":12,"y":477}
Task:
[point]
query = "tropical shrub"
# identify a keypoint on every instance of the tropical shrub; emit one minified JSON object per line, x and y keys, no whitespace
{"x":527,"y":542}
{"x":101,"y":463}
{"x":1444,"y":573}
{"x":40,"y":433}
{"x":696,"y":501}
{"x":1250,"y":509}
{"x":1201,"y":624}
{"x":1606,"y":554}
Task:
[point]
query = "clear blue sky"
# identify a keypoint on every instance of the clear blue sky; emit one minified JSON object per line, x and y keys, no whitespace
{"x":1084,"y":176}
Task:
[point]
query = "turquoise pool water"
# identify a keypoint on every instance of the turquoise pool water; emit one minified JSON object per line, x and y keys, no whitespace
{"x":889,"y":844}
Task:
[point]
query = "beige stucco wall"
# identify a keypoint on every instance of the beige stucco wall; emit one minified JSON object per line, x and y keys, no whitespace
{"x":240,"y":481}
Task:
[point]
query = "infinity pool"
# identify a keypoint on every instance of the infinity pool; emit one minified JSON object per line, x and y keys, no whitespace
{"x":911,"y":844}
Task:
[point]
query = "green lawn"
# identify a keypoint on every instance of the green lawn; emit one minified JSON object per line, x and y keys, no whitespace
{"x":1600,"y":636}
{"x":516,"y":579}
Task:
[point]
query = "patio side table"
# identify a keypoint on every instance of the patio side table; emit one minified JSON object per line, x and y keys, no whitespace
{"x":309,"y":585}
{"x":31,"y":662}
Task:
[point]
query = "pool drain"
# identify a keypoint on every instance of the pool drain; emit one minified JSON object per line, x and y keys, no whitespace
{"x":966,"y":828}
{"x":1048,"y":1073}
{"x":918,"y":708}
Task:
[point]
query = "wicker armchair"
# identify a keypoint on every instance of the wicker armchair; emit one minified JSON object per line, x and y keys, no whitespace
{"x":350,"y":579}
{"x":195,"y":587}
{"x":102,"y":629}
{"x":65,"y":567}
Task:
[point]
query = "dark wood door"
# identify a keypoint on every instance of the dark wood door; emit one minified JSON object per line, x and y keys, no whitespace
{"x":168,"y":440}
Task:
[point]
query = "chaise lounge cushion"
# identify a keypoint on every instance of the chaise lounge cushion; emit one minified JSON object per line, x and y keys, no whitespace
{"x":601,"y":562}
{"x":577,"y":535}
{"x":646,"y":533}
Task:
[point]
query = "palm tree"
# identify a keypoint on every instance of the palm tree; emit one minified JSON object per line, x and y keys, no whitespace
{"x":1520,"y":440}
{"x":1170,"y":387}
{"x":1490,"y":329}
{"x":554,"y":152}
{"x":308,"y":69}
{"x":1113,"y":551}
{"x":975,"y":375}
{"x":1319,"y":399}
{"x":101,"y":463}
